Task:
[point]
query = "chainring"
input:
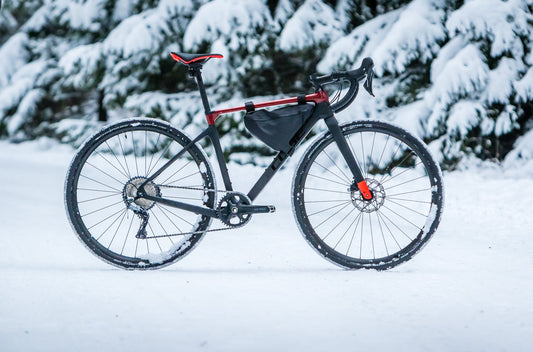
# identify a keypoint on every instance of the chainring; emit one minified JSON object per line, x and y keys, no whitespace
{"x":228,"y":209}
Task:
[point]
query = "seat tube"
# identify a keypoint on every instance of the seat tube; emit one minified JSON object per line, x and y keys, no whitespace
{"x":196,"y":72}
{"x":334,"y":128}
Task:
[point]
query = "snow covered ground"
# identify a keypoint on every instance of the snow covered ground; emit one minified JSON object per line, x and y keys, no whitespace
{"x":262,"y":288}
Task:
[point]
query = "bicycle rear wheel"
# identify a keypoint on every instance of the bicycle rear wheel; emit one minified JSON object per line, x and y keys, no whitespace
{"x":101,"y":185}
{"x":355,"y":233}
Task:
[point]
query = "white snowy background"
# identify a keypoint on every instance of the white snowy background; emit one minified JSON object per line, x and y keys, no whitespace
{"x":457,"y":73}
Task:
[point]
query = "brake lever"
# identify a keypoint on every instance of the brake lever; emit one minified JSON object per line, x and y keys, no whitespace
{"x":368,"y":83}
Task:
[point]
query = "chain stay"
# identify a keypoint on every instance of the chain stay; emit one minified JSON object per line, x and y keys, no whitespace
{"x":195,"y":232}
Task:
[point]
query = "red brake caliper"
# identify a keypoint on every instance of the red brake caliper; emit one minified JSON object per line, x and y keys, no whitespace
{"x":363,"y":188}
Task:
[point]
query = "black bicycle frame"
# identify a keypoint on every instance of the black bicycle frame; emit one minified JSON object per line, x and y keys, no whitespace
{"x":322,"y":111}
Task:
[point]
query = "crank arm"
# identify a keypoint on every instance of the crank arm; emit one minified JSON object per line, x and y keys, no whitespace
{"x":256,"y":209}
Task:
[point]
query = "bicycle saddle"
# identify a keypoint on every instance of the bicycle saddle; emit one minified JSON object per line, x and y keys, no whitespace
{"x":188,"y":59}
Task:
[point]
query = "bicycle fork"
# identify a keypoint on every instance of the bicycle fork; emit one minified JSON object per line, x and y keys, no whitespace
{"x":334,"y":128}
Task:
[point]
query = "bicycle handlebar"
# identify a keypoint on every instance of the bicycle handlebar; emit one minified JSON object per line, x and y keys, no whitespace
{"x":353,"y":76}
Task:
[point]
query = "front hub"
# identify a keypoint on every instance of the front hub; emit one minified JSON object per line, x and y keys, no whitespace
{"x":371,"y":205}
{"x":129,"y":192}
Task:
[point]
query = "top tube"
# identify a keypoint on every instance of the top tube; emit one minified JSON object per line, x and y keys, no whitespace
{"x":318,"y":97}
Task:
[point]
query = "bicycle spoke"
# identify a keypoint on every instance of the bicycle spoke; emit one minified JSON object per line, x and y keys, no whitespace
{"x":124,"y":156}
{"x":116,"y":231}
{"x":134,"y":153}
{"x":409,"y":200}
{"x":335,"y":206}
{"x":181,"y":168}
{"x":326,"y":201}
{"x":383,"y":151}
{"x":382,"y":234}
{"x":417,"y":191}
{"x":345,"y":232}
{"x":326,"y":190}
{"x":118,"y":217}
{"x":410,"y":209}
{"x":327,"y":179}
{"x":160,"y":156}
{"x":405,"y":182}
{"x":169,"y":219}
{"x":354,"y":153}
{"x":155,"y":238}
{"x":353,"y":234}
{"x":99,"y":190}
{"x":380,"y":216}
{"x":100,"y":209}
{"x":372,"y":236}
{"x":317,"y":226}
{"x":103,"y":184}
{"x":176,"y":215}
{"x":127,"y":235}
{"x":364,"y":158}
{"x":180,"y":179}
{"x":338,"y":168}
{"x":401,"y":173}
{"x":101,"y":221}
{"x":113,"y":165}
{"x":97,"y":198}
{"x":126,"y":173}
{"x":145,"y":152}
{"x":394,"y":224}
{"x":105,"y":173}
{"x":331,"y":172}
{"x":388,"y":170}
{"x":152,"y":157}
{"x":402,"y":217}
{"x":335,"y":227}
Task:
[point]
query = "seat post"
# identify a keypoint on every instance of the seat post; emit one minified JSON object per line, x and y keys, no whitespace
{"x":195,"y":71}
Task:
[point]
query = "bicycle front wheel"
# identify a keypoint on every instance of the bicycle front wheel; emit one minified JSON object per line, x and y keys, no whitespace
{"x":350,"y":231}
{"x":101,"y":186}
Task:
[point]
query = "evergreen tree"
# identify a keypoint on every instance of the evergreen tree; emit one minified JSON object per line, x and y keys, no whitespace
{"x":450,"y":70}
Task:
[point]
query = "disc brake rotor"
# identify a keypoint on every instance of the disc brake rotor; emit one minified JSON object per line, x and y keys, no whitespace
{"x":372,"y":205}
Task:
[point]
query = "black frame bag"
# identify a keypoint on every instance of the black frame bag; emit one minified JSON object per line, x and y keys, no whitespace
{"x":277,"y":127}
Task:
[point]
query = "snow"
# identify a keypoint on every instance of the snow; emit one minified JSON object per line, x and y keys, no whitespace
{"x":137,"y":33}
{"x":234,"y":19}
{"x":313,"y":23}
{"x":463,"y":116}
{"x":80,"y":63}
{"x":500,"y":81}
{"x":22,"y":82}
{"x":499,"y":21}
{"x":393,"y":40}
{"x":413,"y":36}
{"x":261,"y":287}
{"x":524,"y":87}
{"x":13,"y":51}
{"x":26,"y":108}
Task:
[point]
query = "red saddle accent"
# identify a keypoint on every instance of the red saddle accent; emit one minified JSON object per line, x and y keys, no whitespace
{"x":192,"y":58}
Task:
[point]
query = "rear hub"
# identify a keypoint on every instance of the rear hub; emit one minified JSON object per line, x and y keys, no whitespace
{"x":129,"y":192}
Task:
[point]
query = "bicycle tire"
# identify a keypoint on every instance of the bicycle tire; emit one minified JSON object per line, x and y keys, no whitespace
{"x":109,"y":166}
{"x":382,"y":233}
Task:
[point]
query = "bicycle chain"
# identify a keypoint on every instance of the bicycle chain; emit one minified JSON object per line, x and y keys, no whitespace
{"x":196,"y":232}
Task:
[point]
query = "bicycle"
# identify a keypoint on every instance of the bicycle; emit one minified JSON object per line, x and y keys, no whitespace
{"x":140,"y":194}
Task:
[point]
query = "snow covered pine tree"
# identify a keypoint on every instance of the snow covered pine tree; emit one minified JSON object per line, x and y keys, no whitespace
{"x":457,"y":73}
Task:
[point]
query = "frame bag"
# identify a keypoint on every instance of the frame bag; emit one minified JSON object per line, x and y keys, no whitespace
{"x":277,"y":127}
